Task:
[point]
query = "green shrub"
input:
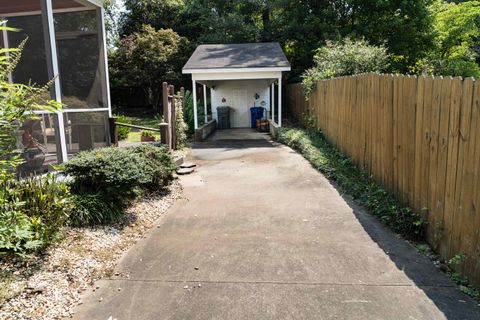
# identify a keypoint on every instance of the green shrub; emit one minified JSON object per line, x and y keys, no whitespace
{"x":147,"y":133}
{"x":338,"y":167}
{"x":189,"y":115}
{"x":158,"y":164}
{"x":46,"y":202}
{"x":117,"y":173}
{"x":121,"y":130}
{"x":343,"y":59}
{"x":22,"y":225}
{"x":31,"y":213}
{"x":181,"y":128}
{"x":92,"y":209}
{"x":16,"y":228}
{"x":105,"y":181}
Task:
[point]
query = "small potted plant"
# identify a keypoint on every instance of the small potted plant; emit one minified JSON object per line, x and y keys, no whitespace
{"x":147,"y":136}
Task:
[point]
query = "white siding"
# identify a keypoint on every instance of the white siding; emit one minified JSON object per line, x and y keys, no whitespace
{"x":239,"y":94}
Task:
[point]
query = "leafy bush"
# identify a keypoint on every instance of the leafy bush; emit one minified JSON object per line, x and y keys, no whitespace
{"x":181,"y":128}
{"x":16,"y":228}
{"x":117,"y":173}
{"x":343,"y":59}
{"x":26,"y":208}
{"x":121,"y":130}
{"x":32,"y":212}
{"x":189,"y":115}
{"x":336,"y":166}
{"x":146,"y":133}
{"x":457,"y":29}
{"x":158,"y":164}
{"x":146,"y":58}
{"x":107,"y":180}
{"x":46,"y":203}
{"x":92,"y":209}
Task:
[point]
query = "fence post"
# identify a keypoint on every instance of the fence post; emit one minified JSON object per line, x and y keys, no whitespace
{"x":173,"y":116}
{"x":165,"y":133}
{"x":113,"y":130}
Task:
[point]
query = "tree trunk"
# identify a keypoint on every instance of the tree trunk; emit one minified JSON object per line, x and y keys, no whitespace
{"x":266,"y":34}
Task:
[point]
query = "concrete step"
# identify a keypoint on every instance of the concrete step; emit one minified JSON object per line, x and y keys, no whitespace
{"x":187,"y":165}
{"x":183,"y":171}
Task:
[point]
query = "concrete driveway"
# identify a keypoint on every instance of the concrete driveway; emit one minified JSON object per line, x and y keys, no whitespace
{"x":260,"y":234}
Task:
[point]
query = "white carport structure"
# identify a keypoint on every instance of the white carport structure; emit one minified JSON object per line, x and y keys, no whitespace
{"x":239,"y":76}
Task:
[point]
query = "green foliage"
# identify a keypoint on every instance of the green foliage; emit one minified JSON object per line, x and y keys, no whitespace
{"x":116,"y":177}
{"x":16,"y":228}
{"x":337,"y":167}
{"x":146,"y":133}
{"x":123,"y":131}
{"x":404,"y":27}
{"x":158,"y":164}
{"x":30,"y":211}
{"x":465,"y":286}
{"x":17,"y":103}
{"x":457,"y":32}
{"x":92,"y":209}
{"x":46,"y":202}
{"x":147,"y":58}
{"x":181,"y":128}
{"x":189,"y":115}
{"x":117,"y":173}
{"x":343,"y":59}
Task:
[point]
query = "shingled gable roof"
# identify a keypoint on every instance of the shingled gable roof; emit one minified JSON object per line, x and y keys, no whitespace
{"x":244,"y":55}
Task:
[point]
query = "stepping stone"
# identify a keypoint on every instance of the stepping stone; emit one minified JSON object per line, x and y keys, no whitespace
{"x":183,"y":171}
{"x":188,"y":165}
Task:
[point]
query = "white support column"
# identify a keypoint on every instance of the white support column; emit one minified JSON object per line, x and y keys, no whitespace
{"x":47,"y":13}
{"x":280,"y":101}
{"x":211,"y":105}
{"x":194,"y":91}
{"x":205,"y":103}
{"x":105,"y":57}
{"x":273,"y":102}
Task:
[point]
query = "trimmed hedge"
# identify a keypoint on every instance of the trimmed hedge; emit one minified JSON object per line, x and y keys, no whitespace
{"x":107,"y":180}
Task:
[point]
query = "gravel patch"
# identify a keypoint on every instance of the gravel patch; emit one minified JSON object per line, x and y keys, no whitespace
{"x":50,"y":285}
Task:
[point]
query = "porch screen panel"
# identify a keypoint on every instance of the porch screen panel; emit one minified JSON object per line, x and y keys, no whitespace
{"x":81,"y":59}
{"x":85,"y":130}
{"x":32,"y":67}
{"x":38,"y":142}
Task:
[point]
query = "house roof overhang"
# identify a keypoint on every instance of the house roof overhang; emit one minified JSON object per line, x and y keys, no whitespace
{"x":236,"y":73}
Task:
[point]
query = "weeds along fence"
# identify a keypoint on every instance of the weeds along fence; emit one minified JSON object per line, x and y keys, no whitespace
{"x":419,"y":137}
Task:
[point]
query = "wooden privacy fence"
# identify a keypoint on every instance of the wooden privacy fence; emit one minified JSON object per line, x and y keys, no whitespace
{"x":419,"y":137}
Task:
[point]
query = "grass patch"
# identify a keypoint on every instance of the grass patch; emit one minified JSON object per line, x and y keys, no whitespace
{"x":134,"y":136}
{"x":362,"y":188}
{"x":151,"y":122}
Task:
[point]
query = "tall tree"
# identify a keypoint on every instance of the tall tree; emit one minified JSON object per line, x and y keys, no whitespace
{"x":403,"y":26}
{"x":457,"y":39}
{"x":147,"y":58}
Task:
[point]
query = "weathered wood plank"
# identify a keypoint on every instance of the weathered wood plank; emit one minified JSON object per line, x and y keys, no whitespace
{"x":420,"y":139}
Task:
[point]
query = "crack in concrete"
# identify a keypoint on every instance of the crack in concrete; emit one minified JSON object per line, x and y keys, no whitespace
{"x":281,"y":283}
